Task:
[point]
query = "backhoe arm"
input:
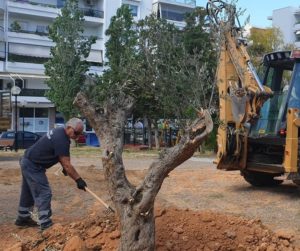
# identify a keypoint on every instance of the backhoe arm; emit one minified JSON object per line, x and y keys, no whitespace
{"x":241,"y":94}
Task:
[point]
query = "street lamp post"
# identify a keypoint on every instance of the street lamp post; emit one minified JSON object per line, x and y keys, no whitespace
{"x":15,"y":91}
{"x":23,"y":104}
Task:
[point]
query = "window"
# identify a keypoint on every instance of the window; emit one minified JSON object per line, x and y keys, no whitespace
{"x":10,"y":135}
{"x":19,"y":83}
{"x":26,"y":112}
{"x":172,"y":15}
{"x":61,"y":3}
{"x":41,"y":112}
{"x":34,"y":119}
{"x":89,"y":2}
{"x":29,"y":135}
{"x":133,"y":9}
{"x":272,"y":114}
{"x":42,"y":29}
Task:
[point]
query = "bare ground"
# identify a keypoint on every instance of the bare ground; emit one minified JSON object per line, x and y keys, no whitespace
{"x":198,"y":208}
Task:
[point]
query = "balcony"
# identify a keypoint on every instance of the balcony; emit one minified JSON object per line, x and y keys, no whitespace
{"x":31,"y":8}
{"x":25,"y":68}
{"x":33,"y":92}
{"x":95,"y":70}
{"x":2,"y":5}
{"x":39,"y":33}
{"x":89,"y":12}
{"x":1,"y":66}
{"x":29,"y":37}
{"x":99,"y":45}
{"x":41,"y":3}
{"x":187,"y":3}
{"x":1,"y":33}
{"x":49,"y":11}
{"x":26,"y":59}
{"x":173,"y":16}
{"x":297,"y":26}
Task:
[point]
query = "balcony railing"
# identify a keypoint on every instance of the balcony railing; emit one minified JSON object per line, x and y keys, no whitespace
{"x":35,"y":3}
{"x":41,"y":33}
{"x":92,"y":12}
{"x":30,"y":32}
{"x":33,"y":92}
{"x":26,"y":59}
{"x":85,"y":11}
{"x":187,"y":2}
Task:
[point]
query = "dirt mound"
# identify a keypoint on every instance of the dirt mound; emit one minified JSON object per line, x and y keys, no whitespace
{"x":175,"y":230}
{"x":190,"y":230}
{"x":92,"y":233}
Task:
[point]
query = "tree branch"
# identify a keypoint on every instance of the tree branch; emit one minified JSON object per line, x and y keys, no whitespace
{"x":170,"y":159}
{"x":95,"y":117}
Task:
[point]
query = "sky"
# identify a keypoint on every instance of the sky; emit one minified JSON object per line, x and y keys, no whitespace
{"x":258,"y":10}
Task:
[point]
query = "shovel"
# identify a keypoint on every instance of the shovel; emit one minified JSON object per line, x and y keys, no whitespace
{"x":108,"y":207}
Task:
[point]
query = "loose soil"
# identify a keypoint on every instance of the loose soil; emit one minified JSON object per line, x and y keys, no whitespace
{"x":198,"y":208}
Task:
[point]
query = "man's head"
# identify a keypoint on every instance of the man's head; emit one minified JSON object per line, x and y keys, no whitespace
{"x":74,"y":127}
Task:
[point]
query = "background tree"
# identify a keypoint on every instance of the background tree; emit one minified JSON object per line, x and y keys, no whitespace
{"x":157,"y":56}
{"x":67,"y":66}
{"x":165,"y":49}
{"x":264,"y":41}
{"x":108,"y":103}
{"x":198,"y":40}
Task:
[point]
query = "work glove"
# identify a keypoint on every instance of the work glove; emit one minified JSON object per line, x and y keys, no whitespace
{"x":81,"y":184}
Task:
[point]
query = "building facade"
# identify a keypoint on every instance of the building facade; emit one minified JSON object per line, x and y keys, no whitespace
{"x":25,"y":46}
{"x":288,"y":21}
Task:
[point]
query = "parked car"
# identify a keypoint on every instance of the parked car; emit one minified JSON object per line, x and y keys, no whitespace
{"x":81,"y":139}
{"x":24,"y":139}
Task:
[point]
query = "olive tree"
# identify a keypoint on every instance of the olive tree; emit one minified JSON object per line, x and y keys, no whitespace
{"x":107,"y":103}
{"x":152,"y":65}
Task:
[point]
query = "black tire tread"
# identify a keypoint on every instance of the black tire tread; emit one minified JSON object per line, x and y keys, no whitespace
{"x":260,"y":179}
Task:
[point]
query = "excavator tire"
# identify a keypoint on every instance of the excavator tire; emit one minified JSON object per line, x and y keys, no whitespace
{"x":259,"y":179}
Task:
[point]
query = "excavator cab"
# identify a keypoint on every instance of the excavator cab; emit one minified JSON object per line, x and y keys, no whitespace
{"x":279,"y":68}
{"x":268,"y":144}
{"x":267,"y":136}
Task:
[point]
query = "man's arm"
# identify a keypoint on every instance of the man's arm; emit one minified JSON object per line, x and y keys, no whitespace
{"x":71,"y":171}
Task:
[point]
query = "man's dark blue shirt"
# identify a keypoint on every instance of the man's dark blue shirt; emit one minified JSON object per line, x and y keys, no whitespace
{"x":46,"y":151}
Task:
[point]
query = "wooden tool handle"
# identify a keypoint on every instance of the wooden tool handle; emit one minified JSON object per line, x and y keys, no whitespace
{"x":97,"y":198}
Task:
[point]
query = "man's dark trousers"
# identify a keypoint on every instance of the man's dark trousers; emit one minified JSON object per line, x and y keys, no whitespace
{"x":35,"y":191}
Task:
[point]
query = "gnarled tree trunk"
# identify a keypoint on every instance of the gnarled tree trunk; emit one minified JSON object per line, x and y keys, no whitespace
{"x":134,"y":205}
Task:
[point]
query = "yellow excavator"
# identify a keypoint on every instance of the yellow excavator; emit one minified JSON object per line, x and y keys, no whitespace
{"x":259,"y":116}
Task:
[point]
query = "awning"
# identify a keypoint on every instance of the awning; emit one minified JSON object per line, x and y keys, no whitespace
{"x":29,"y":101}
{"x":26,"y":76}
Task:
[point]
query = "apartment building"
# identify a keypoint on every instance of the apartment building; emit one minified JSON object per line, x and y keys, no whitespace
{"x":288,"y":21}
{"x":25,"y":46}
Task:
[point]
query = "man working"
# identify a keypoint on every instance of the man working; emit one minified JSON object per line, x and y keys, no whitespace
{"x":52,"y":148}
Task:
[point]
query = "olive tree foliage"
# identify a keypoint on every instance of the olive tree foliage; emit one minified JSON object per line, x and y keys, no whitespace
{"x":148,"y":65}
{"x":67,"y":65}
